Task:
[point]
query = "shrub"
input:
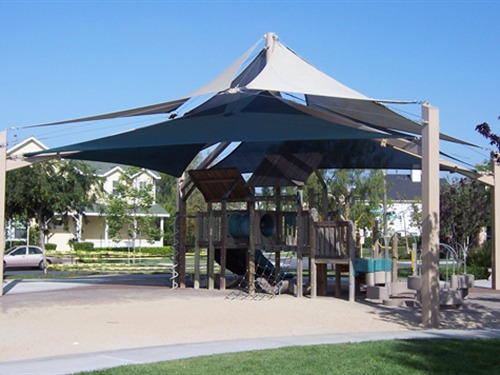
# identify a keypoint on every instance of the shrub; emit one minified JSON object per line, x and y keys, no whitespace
{"x":50,"y":246}
{"x":163,"y":251}
{"x":479,"y":272}
{"x":479,"y":260}
{"x":86,"y":246}
{"x":159,"y":251}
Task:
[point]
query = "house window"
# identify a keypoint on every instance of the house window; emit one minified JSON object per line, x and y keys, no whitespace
{"x":143,"y":185}
{"x":115,"y":188}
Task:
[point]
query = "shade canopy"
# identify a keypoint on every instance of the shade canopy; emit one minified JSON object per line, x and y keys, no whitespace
{"x":278,"y":106}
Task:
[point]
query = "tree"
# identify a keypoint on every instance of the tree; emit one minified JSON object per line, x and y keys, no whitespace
{"x":356,"y":192}
{"x":166,"y":196}
{"x":485,"y":130}
{"x":48,"y":189}
{"x":129,"y":206}
{"x":464,"y":211}
{"x":313,"y":192}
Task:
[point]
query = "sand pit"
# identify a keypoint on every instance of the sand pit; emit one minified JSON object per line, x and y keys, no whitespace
{"x":92,"y":318}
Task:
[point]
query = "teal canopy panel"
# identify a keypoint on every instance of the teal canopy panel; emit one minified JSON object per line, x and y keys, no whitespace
{"x":254,"y":117}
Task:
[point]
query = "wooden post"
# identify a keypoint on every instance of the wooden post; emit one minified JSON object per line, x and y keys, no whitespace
{"x":223,"y":247}
{"x":279,"y":234}
{"x":338,"y":280}
{"x":495,"y":253}
{"x":352,"y":256}
{"x":300,"y":244}
{"x":211,"y":249}
{"x":430,"y":216}
{"x":181,"y":235}
{"x":199,"y":223}
{"x":251,"y":248}
{"x":395,"y":256}
{"x":3,"y":158}
{"x":313,"y":274}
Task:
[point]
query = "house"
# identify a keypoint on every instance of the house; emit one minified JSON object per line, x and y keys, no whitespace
{"x":404,"y":193}
{"x":91,"y":226}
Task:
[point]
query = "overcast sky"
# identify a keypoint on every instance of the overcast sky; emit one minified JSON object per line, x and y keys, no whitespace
{"x":68,"y":59}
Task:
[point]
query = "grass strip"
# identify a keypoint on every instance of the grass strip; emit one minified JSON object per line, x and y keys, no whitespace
{"x":435,"y":356}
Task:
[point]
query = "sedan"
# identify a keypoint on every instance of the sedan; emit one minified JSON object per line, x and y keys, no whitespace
{"x":25,"y":257}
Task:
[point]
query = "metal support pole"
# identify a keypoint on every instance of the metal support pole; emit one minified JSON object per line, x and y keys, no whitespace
{"x":430,"y":216}
{"x":270,"y":39}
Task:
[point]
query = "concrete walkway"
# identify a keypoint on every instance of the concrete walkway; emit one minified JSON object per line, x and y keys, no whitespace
{"x":93,"y":361}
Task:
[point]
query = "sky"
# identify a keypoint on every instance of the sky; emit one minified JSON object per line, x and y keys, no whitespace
{"x":68,"y":59}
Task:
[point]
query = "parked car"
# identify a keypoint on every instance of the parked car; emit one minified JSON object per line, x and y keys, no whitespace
{"x":24,"y":257}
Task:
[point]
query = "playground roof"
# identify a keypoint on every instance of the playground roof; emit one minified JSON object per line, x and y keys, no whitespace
{"x":278,"y":106}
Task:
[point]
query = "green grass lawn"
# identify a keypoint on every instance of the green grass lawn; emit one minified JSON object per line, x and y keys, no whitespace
{"x":436,"y":356}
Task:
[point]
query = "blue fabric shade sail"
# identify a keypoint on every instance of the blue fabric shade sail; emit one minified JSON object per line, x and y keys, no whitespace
{"x":253,"y":117}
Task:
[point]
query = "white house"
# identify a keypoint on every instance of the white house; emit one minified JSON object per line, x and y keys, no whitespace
{"x":404,"y":196}
{"x":91,"y":226}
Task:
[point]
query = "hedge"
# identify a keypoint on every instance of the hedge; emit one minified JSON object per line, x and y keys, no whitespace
{"x":86,"y":246}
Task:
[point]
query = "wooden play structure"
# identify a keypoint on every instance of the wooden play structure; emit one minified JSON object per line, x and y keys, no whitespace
{"x":236,"y":237}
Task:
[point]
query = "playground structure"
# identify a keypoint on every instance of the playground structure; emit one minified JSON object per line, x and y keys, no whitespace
{"x":455,"y":286}
{"x":237,"y":237}
{"x":289,"y":119}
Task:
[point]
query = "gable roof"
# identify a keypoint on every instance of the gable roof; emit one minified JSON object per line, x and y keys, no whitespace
{"x":30,"y":144}
{"x":400,"y":187}
{"x":105,"y":169}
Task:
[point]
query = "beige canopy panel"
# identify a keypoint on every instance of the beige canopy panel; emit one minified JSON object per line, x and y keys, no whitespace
{"x":285,"y":71}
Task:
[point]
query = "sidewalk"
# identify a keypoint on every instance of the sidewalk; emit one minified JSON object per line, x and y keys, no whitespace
{"x":94,"y":361}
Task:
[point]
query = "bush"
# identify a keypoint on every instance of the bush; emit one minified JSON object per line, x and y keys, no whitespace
{"x":479,"y":272}
{"x":86,"y":246}
{"x":50,"y":246}
{"x":479,"y":260}
{"x":159,"y":251}
{"x":163,"y":251}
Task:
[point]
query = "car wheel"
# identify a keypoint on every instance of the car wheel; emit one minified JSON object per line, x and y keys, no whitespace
{"x":40,"y":265}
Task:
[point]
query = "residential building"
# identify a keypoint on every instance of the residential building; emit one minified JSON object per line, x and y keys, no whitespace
{"x":91,"y":226}
{"x":404,"y":193}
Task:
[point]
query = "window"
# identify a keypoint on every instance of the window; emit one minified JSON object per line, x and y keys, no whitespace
{"x":116,"y":184}
{"x":21,"y":251}
{"x":34,"y":250}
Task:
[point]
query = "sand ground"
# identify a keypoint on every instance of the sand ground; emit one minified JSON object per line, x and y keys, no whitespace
{"x":121,"y":313}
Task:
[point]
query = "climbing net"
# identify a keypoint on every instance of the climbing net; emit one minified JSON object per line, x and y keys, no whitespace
{"x":267,"y":283}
